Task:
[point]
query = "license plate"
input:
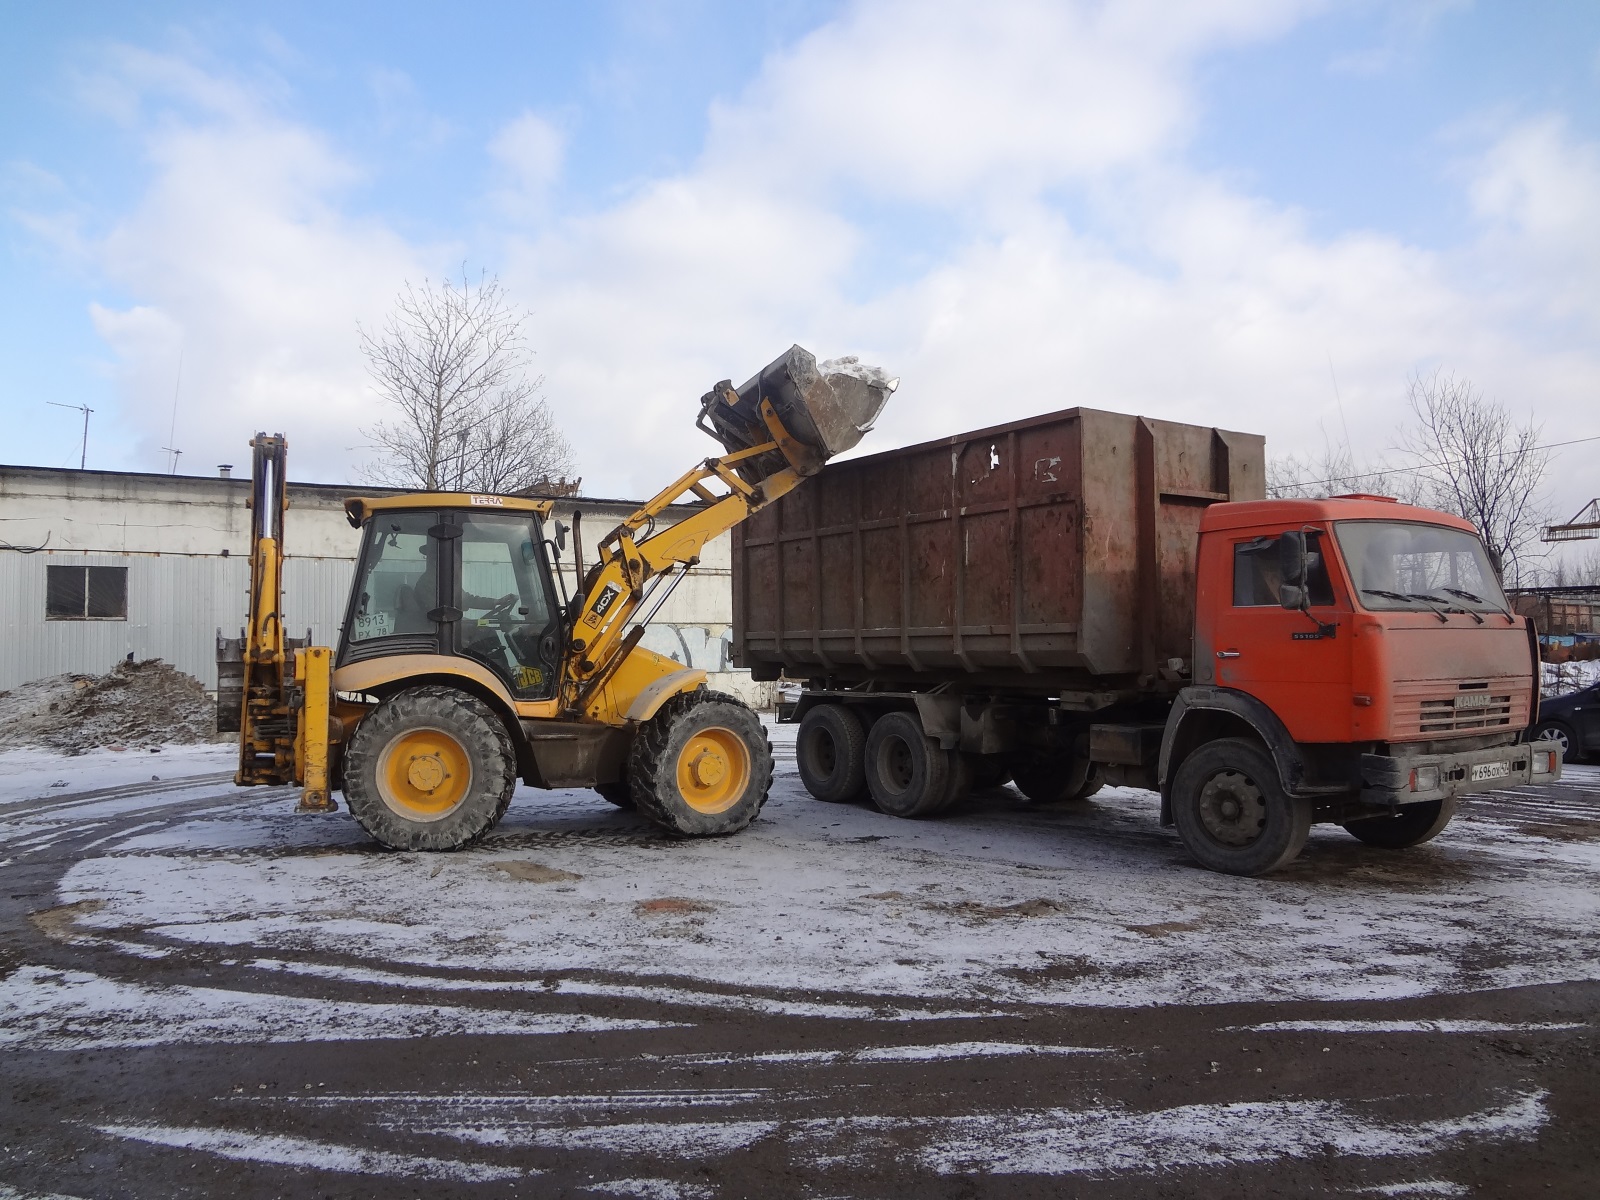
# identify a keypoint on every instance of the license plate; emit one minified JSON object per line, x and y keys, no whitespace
{"x":1484,"y":771}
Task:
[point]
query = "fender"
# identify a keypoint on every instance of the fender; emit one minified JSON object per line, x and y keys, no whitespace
{"x":649,"y":701}
{"x":1291,"y":764}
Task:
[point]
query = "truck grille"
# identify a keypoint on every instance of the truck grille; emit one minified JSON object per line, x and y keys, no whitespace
{"x":1426,"y":710}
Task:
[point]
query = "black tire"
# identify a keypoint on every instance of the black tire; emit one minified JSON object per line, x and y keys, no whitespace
{"x":830,"y":752}
{"x":988,"y":772}
{"x":1415,"y":824}
{"x":1063,"y":780}
{"x":1556,"y":731}
{"x":616,"y":793}
{"x":690,"y":729}
{"x":404,"y":766}
{"x":1232,"y":812}
{"x":907,"y":772}
{"x":959,"y":786}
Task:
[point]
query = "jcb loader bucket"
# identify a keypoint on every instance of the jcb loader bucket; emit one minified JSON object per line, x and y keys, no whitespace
{"x":825,"y":407}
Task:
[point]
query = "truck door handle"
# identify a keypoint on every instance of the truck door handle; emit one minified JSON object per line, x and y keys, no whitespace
{"x":1227,"y":654}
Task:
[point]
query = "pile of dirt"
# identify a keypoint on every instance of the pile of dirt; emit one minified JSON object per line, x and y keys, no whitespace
{"x":137,"y":704}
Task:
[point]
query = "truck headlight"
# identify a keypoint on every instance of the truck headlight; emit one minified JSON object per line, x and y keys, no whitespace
{"x":1424,"y":779}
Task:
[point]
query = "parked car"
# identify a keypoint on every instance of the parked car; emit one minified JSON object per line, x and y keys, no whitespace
{"x":1574,"y":721}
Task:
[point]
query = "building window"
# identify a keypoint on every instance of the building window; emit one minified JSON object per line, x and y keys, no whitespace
{"x":86,"y":594}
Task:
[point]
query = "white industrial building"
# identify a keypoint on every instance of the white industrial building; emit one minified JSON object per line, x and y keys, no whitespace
{"x":99,"y":565}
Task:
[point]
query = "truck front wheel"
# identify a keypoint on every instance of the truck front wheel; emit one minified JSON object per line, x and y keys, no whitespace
{"x":831,"y":751}
{"x":1233,"y":814}
{"x":702,"y":766}
{"x":432,"y":768}
{"x":1415,"y":824}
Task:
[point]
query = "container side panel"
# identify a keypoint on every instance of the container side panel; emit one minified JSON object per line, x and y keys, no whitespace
{"x":880,"y":553}
{"x":838,"y":556}
{"x":932,"y":574}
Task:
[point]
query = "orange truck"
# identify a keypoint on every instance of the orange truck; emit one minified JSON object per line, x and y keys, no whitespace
{"x":1089,"y":598}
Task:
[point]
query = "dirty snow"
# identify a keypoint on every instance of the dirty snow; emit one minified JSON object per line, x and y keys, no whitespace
{"x":32,"y":774}
{"x":71,"y":1010}
{"x":304,"y":1152}
{"x":135,"y":704}
{"x":1000,"y":903}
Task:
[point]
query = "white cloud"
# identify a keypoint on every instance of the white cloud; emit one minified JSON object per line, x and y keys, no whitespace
{"x":243,"y":262}
{"x":1157,"y":289}
{"x":529,"y":150}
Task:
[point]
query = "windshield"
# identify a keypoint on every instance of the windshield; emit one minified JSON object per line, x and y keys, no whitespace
{"x":1399,"y":565}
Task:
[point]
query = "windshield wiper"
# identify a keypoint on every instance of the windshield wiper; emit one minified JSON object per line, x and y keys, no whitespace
{"x":1504,"y":612}
{"x":1388,"y":595}
{"x":1470,"y":612}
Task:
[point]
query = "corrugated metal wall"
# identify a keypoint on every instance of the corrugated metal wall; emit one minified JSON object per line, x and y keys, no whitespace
{"x":176,"y":603}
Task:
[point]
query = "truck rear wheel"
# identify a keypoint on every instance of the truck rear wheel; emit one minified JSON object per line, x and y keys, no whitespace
{"x":1415,"y":824}
{"x":702,"y":766}
{"x":1232,"y":812}
{"x":1056,"y":780}
{"x":907,"y":772}
{"x":432,"y":768}
{"x":831,"y":752}
{"x":988,"y":772}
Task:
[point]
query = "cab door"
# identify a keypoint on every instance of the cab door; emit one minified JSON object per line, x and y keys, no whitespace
{"x":508,"y":616}
{"x":1295,"y":661}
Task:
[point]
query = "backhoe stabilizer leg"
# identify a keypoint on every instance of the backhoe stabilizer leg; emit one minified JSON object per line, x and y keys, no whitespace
{"x":313,"y":673}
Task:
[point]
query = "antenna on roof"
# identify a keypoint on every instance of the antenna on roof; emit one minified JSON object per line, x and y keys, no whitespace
{"x":172,"y":430}
{"x":83,"y":455}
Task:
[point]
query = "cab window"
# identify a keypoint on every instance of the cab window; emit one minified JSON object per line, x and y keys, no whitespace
{"x":398,"y":581}
{"x":1257,"y":577}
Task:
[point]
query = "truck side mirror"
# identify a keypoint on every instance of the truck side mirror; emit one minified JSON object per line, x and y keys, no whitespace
{"x":1292,"y":595}
{"x":561,"y":536}
{"x":1292,"y":559}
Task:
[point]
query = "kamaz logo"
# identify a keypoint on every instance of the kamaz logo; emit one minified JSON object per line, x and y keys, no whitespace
{"x":1474,"y":700}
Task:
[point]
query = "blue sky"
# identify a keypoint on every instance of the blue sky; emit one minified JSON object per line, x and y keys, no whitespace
{"x":1189,"y":211}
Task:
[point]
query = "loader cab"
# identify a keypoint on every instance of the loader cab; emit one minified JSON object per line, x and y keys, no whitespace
{"x":464,"y":576}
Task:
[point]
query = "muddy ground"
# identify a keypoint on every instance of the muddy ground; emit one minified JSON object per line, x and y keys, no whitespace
{"x":203,"y":992}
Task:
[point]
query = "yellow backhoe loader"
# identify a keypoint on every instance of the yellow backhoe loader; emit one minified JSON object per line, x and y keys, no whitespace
{"x":461,"y":668}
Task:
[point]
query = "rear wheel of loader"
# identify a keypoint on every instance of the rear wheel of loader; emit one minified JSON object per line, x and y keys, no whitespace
{"x":432,"y":769}
{"x":702,"y":766}
{"x":907,"y":773}
{"x":1416,"y":823}
{"x":831,"y":751}
{"x":1233,"y":814}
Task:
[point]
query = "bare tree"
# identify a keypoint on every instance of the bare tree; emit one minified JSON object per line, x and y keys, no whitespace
{"x":1480,"y":465}
{"x":451,"y":363}
{"x":1336,"y":472}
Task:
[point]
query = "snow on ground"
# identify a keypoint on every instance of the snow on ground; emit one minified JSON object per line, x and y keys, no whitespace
{"x":1088,"y":905}
{"x":32,"y":774}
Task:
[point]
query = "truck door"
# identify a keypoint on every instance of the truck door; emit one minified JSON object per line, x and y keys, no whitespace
{"x":1295,"y":661}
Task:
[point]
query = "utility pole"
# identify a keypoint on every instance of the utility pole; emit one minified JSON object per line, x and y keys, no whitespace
{"x":83,"y":456}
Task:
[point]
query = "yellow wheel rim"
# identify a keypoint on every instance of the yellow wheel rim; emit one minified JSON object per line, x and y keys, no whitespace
{"x":713,"y":770}
{"x":424,"y":774}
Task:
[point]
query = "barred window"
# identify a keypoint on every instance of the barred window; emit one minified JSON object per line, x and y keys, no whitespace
{"x":86,"y":594}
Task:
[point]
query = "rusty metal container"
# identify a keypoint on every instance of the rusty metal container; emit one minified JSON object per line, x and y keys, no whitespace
{"x":1045,"y":556}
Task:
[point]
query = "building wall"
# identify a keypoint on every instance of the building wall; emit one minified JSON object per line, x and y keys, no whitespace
{"x":185,"y":543}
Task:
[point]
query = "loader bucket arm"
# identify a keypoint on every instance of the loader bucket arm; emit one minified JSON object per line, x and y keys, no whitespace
{"x":779,"y":428}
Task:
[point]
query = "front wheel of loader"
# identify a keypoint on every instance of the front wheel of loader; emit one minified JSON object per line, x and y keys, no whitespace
{"x":432,"y":769}
{"x":702,"y":766}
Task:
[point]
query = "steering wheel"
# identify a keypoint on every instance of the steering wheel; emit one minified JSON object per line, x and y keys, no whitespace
{"x":501,"y":608}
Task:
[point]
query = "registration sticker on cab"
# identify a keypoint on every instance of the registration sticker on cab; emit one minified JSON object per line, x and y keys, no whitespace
{"x":1492,"y":770}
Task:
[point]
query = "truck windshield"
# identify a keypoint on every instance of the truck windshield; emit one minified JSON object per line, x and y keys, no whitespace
{"x":1402,"y":565}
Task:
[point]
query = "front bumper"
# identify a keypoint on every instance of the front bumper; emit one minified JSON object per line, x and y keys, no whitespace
{"x":1390,"y":780}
